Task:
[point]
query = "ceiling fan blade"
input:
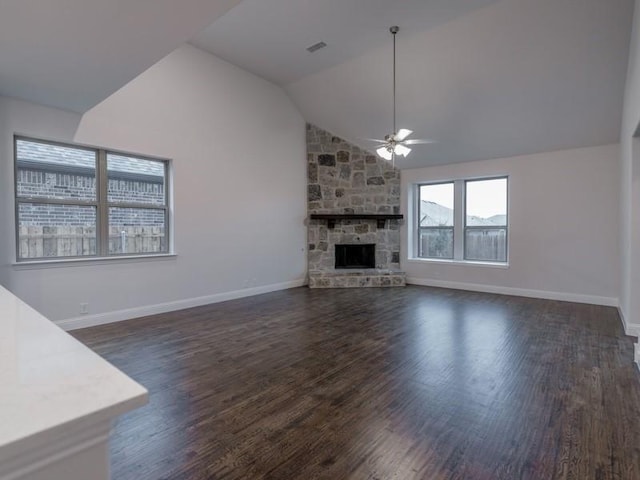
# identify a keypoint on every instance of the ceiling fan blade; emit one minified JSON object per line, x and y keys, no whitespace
{"x":375,"y":140}
{"x":403,"y":133}
{"x":418,"y":142}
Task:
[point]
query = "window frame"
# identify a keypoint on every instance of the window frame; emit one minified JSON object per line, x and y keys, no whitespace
{"x":466,"y":227}
{"x":101,"y":202}
{"x":420,"y":228}
{"x":460,"y":222}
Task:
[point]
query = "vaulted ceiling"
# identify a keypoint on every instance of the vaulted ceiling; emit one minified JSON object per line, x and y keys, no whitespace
{"x":72,"y":54}
{"x":485,"y":79}
{"x":270,"y":37}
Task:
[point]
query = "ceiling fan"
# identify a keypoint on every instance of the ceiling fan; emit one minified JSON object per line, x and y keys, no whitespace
{"x":396,"y":143}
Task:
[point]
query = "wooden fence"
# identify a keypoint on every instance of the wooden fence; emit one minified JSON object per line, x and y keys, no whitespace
{"x":480,"y":244}
{"x":52,"y":242}
{"x":486,"y":245}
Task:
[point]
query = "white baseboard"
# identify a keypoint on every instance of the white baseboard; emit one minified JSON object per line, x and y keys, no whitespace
{"x":518,"y":292}
{"x":630,"y":329}
{"x":136,"y":312}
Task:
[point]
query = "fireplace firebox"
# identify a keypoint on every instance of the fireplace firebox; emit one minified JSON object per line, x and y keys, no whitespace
{"x":356,"y":256}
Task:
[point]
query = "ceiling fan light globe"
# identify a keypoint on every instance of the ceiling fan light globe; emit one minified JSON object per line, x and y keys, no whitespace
{"x":384,"y":153}
{"x":402,"y":150}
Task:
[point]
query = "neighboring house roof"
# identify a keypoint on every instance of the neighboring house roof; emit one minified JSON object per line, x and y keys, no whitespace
{"x":435,"y":215}
{"x":36,"y":153}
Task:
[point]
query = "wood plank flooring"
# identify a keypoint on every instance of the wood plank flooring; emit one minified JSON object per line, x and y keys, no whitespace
{"x":403,"y":383}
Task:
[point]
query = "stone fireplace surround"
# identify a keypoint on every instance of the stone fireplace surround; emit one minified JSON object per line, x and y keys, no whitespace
{"x":344,"y":179}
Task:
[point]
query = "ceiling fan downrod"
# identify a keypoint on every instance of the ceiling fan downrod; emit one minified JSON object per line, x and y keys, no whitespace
{"x":394,"y":30}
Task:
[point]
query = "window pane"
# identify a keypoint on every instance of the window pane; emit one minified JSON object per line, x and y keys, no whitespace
{"x":135,"y":180}
{"x":486,"y":203}
{"x":436,"y":205}
{"x":55,"y":172}
{"x":50,"y":231}
{"x":436,"y":243}
{"x":488,"y":244}
{"x":137,"y":230}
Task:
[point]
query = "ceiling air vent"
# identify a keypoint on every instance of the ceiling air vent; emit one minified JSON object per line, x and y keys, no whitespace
{"x":316,"y":47}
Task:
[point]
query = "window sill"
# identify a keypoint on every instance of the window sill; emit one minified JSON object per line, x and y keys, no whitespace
{"x":83,"y":262}
{"x":469,"y":263}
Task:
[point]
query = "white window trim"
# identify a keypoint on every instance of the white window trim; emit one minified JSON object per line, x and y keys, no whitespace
{"x":459,"y":213}
{"x":90,"y":261}
{"x":467,"y":263}
{"x":44,"y":262}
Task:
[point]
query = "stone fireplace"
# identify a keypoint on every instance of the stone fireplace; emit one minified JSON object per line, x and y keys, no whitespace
{"x":346,"y":180}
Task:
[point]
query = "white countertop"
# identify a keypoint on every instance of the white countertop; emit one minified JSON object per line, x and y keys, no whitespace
{"x":50,"y":382}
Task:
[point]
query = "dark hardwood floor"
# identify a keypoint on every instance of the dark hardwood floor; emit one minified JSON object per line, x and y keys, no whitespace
{"x":404,"y":383}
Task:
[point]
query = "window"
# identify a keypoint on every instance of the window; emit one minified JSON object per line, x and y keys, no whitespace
{"x":436,"y":221}
{"x":463,"y":220}
{"x":485,"y":228}
{"x":76,"y":201}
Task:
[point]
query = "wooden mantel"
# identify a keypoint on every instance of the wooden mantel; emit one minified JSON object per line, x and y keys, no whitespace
{"x":332,"y":218}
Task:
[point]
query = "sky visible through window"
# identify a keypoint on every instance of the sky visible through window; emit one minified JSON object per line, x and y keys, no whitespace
{"x":441,"y":194}
{"x":486,"y":198}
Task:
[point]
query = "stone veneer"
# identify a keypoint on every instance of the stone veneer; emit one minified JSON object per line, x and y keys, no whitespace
{"x":361,"y":278}
{"x":343,"y":178}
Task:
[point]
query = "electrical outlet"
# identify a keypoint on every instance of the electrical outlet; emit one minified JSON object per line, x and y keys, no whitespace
{"x":84,"y":308}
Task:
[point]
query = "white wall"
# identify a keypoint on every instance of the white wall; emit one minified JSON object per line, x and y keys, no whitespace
{"x":630,"y":187}
{"x":18,"y":117}
{"x":238,"y":149}
{"x":563,"y":226}
{"x":5,"y":205}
